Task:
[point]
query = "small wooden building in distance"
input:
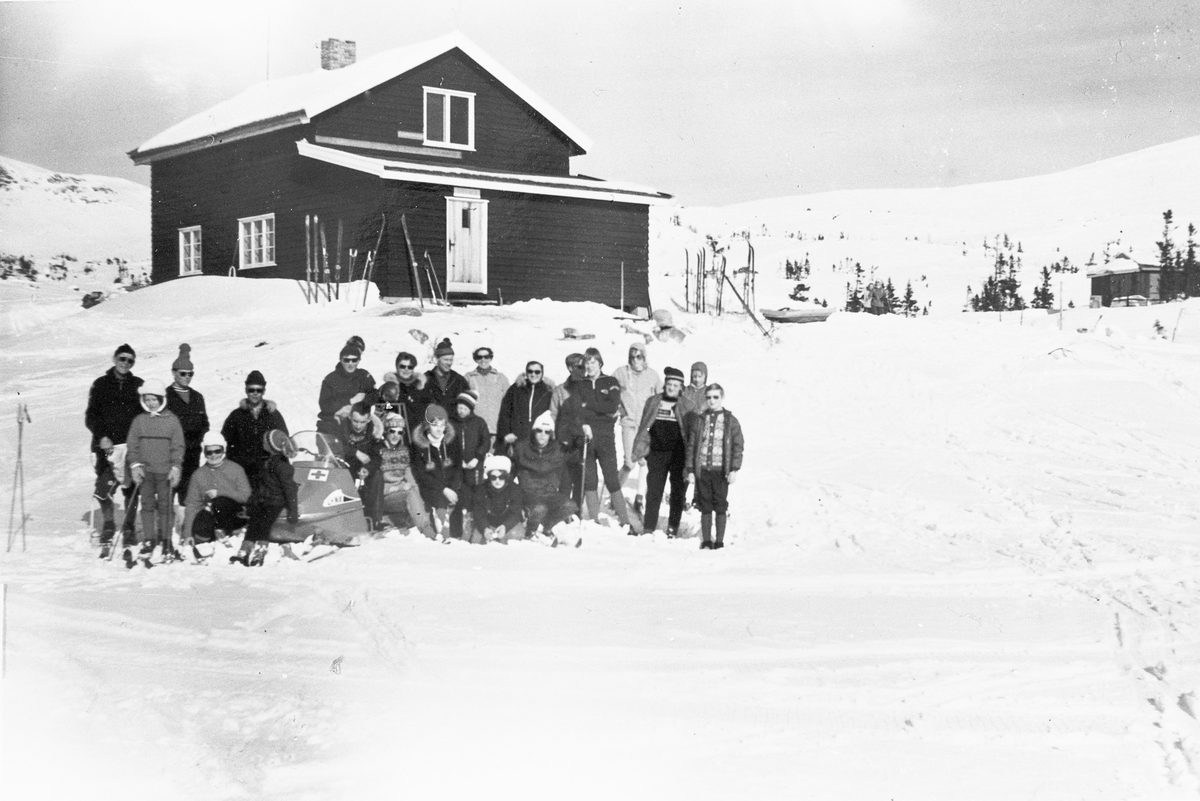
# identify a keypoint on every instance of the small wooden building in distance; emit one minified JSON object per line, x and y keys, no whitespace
{"x":1125,"y":282}
{"x":477,"y":163}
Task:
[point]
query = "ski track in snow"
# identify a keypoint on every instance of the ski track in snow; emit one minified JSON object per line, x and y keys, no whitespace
{"x":961,"y":564}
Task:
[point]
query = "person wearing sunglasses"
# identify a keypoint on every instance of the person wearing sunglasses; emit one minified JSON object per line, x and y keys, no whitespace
{"x":216,"y":497}
{"x":497,"y":513}
{"x":713,"y":459}
{"x":410,"y":386}
{"x":659,"y":443}
{"x":114,"y":400}
{"x":358,"y":444}
{"x":639,"y":382}
{"x":524,"y":402}
{"x":400,"y":501}
{"x":245,"y":426}
{"x":437,"y":467}
{"x":443,"y":384}
{"x":540,"y":464}
{"x":345,"y":386}
{"x":188,"y":405}
{"x":490,"y":385}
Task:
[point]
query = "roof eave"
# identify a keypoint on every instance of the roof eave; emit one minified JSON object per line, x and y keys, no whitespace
{"x":278,"y":123}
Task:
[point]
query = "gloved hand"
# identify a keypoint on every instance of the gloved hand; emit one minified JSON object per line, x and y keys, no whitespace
{"x":362,"y":457}
{"x":691,"y":478}
{"x":173,"y":476}
{"x":733,"y":476}
{"x":138,"y":474}
{"x":510,"y":438}
{"x":451,"y":495}
{"x":587,"y":431}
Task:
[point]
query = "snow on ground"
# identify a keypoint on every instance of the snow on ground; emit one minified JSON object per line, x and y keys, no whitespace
{"x":962,"y":564}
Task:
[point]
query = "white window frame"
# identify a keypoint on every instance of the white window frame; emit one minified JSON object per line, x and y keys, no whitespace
{"x":191,"y":237}
{"x":246,"y":230}
{"x":447,"y":94}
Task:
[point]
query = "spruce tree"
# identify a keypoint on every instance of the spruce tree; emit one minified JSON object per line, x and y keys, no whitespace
{"x":1043,"y":297}
{"x":1166,"y":260}
{"x":910,"y":301}
{"x":1191,"y":271}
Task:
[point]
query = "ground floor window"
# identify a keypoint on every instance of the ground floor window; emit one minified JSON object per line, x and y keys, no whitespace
{"x":256,"y":241}
{"x":190,"y":251}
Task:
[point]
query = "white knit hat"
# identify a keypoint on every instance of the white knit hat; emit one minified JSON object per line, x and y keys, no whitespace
{"x":544,"y":422}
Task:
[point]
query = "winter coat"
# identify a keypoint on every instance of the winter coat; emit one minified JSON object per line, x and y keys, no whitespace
{"x":395,"y":467}
{"x":541,"y":473}
{"x":558,"y":396}
{"x":414,"y":397}
{"x":491,"y":387}
{"x":693,"y":400}
{"x":731,"y":446}
{"x":277,"y":486}
{"x":192,"y":414}
{"x":228,"y":479}
{"x":155,"y":442}
{"x":476,"y":443}
{"x":447,"y":397}
{"x":522,"y":404}
{"x":641,"y":442}
{"x":350,"y":444}
{"x":437,"y":468}
{"x":112,"y":405}
{"x":338,"y":388}
{"x":599,"y":402}
{"x":243,"y":432}
{"x":497,"y":507}
{"x":635,"y":388}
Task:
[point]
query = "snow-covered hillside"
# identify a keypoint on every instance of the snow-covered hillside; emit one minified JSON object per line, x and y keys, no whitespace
{"x":45,"y":214}
{"x":934,"y":237}
{"x":962,"y":565}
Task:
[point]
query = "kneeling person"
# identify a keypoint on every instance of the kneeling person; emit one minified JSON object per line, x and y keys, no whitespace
{"x":399,"y":498}
{"x":497,"y":514}
{"x":540,"y":464}
{"x":216,"y":496}
{"x":276,"y":492}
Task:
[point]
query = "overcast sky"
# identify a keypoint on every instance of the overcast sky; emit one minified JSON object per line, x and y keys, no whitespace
{"x":709,"y":101}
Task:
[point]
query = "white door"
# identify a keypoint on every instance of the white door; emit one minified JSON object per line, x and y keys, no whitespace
{"x":466,"y":245}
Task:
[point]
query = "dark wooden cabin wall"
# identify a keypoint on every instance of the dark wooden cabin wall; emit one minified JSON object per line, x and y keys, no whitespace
{"x":509,"y":135}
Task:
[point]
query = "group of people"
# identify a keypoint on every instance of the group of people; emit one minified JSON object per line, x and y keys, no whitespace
{"x":471,"y":457}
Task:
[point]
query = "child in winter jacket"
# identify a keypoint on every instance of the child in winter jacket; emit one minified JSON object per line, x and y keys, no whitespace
{"x":497,"y":511}
{"x":155,"y":455}
{"x":476,"y":442}
{"x":713,"y":458}
{"x":437,"y":466}
{"x":400,"y":498}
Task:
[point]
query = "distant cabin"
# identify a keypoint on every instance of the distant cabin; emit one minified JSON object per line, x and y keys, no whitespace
{"x":476,"y":163}
{"x":1125,"y":282}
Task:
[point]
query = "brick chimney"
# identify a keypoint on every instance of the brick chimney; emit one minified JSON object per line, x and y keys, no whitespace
{"x":337,"y":53}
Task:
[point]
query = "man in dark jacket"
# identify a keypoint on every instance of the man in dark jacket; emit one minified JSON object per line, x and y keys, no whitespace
{"x":358,"y":438}
{"x":660,"y":441}
{"x":523,"y":403}
{"x":599,"y":400}
{"x":713,"y":458}
{"x":342,"y":388}
{"x":113,"y":401}
{"x":188,"y":405}
{"x":411,"y":387}
{"x":442,"y":384}
{"x":245,"y":426}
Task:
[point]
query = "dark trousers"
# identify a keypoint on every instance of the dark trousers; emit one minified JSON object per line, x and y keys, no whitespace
{"x":262,"y":518}
{"x":602,"y":451}
{"x":466,"y":500}
{"x":712,"y":491}
{"x":106,"y":488}
{"x":547,"y":511}
{"x":156,"y":508}
{"x":222,"y":513}
{"x":659,"y":466}
{"x":371,"y":493}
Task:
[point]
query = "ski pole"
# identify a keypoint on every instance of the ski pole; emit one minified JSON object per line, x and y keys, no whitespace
{"x":583,"y":481}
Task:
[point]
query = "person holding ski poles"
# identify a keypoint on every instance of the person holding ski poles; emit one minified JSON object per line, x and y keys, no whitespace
{"x":113,"y":403}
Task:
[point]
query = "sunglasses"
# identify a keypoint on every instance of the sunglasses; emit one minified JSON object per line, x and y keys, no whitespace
{"x":126,"y":359}
{"x":713,"y":397}
{"x":533,"y":372}
{"x":252,"y":390}
{"x":638,"y":356}
{"x":185,"y":373}
{"x":405,"y":366}
{"x":213,"y":451}
{"x":481,"y":356}
{"x":350,"y":360}
{"x":497,"y":477}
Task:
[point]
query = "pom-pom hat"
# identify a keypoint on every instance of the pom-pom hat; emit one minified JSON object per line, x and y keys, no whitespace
{"x":444,"y":348}
{"x":184,"y":360}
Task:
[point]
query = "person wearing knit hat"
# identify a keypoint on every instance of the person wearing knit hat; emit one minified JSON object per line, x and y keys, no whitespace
{"x":639,"y":382}
{"x":113,"y":403}
{"x":497,"y":513}
{"x":693,"y":394}
{"x":540,"y":464}
{"x":156,"y":448}
{"x":490,"y":386}
{"x":476,"y":443}
{"x":437,"y":467}
{"x":400,"y":502}
{"x":660,"y":444}
{"x":345,"y":386}
{"x":442,"y":384}
{"x":188,"y":405}
{"x":357,"y":342}
{"x":245,"y":426}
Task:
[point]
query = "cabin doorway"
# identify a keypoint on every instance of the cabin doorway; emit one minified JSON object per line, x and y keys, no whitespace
{"x":466,"y":244}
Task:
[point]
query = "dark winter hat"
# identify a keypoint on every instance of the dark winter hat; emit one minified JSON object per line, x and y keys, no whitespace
{"x":184,"y":360}
{"x":276,"y":441}
{"x":357,"y":342}
{"x":435,"y":412}
{"x":701,"y":366}
{"x":255,"y":379}
{"x":673,"y":373}
{"x":124,"y":349}
{"x":574,"y":361}
{"x":469,"y":397}
{"x":593,"y":353}
{"x":390,"y":391}
{"x":350,"y":350}
{"x":444,"y":348}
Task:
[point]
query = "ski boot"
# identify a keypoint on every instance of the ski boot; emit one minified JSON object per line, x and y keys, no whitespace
{"x":144,"y":555}
{"x":242,"y":557}
{"x":106,"y":538}
{"x":259,"y":554}
{"x":672,"y":532}
{"x":706,"y":545}
{"x":130,"y":562}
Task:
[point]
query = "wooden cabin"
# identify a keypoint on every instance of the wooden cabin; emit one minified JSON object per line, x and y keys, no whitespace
{"x":1125,"y":282}
{"x":438,"y":133}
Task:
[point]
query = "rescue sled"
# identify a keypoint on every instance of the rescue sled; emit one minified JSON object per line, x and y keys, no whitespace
{"x":796,"y":315}
{"x":331,"y":511}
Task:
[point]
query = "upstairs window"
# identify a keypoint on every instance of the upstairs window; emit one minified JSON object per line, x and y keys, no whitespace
{"x":190,"y":251}
{"x":256,"y":241}
{"x":449,"y":119}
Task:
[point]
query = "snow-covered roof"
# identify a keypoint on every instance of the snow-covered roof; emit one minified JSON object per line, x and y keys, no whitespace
{"x":297,"y":99}
{"x":1120,"y":264}
{"x":559,"y":186}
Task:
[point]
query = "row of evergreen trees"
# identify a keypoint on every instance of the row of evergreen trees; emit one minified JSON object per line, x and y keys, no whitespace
{"x":1180,"y":274}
